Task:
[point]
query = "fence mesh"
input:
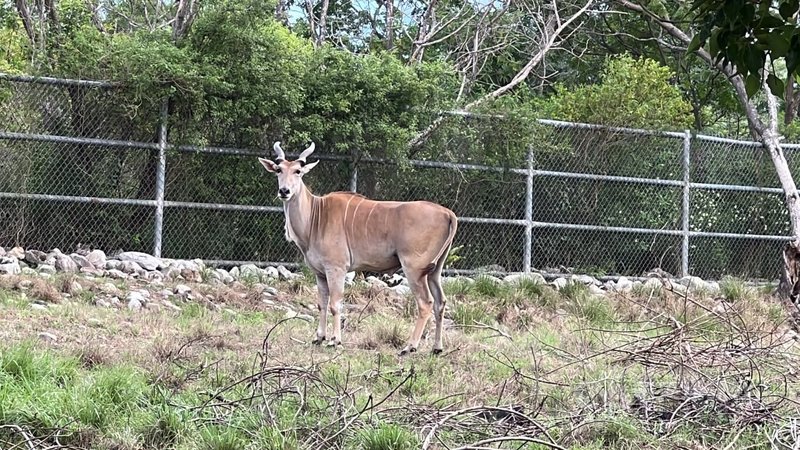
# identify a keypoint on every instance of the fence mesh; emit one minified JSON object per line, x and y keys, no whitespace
{"x":607,"y":202}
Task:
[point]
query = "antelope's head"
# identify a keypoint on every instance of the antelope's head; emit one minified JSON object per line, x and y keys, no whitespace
{"x":289,"y":173}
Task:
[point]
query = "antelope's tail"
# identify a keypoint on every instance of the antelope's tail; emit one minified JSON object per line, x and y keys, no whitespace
{"x":446,"y":246}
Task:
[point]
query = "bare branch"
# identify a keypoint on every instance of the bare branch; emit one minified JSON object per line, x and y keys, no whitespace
{"x":27,"y":22}
{"x":553,"y":36}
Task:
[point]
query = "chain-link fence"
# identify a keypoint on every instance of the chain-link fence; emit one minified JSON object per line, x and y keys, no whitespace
{"x":81,"y":166}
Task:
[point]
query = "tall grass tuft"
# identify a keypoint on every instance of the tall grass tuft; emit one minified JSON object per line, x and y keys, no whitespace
{"x":386,"y":436}
{"x":488,"y":286}
{"x":734,"y":289}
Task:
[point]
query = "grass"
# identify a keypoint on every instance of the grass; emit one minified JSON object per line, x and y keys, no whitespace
{"x":576,"y":363}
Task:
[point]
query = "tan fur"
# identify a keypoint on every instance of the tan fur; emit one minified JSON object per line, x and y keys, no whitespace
{"x":345,"y":231}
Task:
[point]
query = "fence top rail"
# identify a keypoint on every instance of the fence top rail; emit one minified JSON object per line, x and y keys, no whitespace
{"x":556,"y":123}
{"x":592,"y":126}
{"x":59,"y":81}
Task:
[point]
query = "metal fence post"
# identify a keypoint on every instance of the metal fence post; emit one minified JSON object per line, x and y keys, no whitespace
{"x":526,"y":264}
{"x":161,"y":169}
{"x":687,"y":145}
{"x":354,"y":179}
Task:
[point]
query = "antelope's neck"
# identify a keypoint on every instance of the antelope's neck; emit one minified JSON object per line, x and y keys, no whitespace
{"x":299,"y":213}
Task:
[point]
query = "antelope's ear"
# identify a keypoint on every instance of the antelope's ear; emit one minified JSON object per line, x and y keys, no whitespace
{"x":307,"y":167}
{"x":269,"y":165}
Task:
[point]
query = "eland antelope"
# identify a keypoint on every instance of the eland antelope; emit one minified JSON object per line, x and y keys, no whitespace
{"x":343,"y":231}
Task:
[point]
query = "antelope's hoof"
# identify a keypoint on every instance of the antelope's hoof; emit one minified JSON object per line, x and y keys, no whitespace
{"x":318,"y":341}
{"x":333,"y":343}
{"x":407,"y":350}
{"x":437,"y":351}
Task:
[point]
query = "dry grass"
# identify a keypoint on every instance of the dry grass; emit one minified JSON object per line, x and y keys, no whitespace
{"x":44,"y":290}
{"x":571,"y":359}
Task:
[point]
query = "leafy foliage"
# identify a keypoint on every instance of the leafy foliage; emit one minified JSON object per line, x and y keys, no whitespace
{"x":633,"y":92}
{"x":745,"y":34}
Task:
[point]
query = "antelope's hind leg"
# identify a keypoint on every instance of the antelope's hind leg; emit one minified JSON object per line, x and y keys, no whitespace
{"x":418,"y":282}
{"x":439,"y":302}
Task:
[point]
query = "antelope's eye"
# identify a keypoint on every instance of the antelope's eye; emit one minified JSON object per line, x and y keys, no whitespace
{"x":297,"y":172}
{"x":277,"y":170}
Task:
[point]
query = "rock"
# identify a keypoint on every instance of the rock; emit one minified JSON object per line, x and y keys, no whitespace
{"x":142,"y":295}
{"x":46,"y":268}
{"x":134,"y":305}
{"x":2,"y":251}
{"x":223,"y":276}
{"x":234,"y":272}
{"x":516,"y":278}
{"x":9,"y":265}
{"x":290,"y":313}
{"x":28,"y":271}
{"x":102,"y":303}
{"x":271,"y":272}
{"x":113,"y":264}
{"x":131,"y":267}
{"x":171,"y":273}
{"x":376,"y":282}
{"x":679,"y":289}
{"x":190,"y":275}
{"x":693,"y":283}
{"x":182,"y":290}
{"x":147,"y":262}
{"x":109,"y":289}
{"x":713,"y":287}
{"x":152,"y":306}
{"x":249,"y":272}
{"x":652,"y":284}
{"x":97,"y":258}
{"x":24,"y":284}
{"x":16,"y":252}
{"x":35,"y":257}
{"x":286,"y":274}
{"x":401,"y":290}
{"x":81,"y":261}
{"x":169,"y":305}
{"x":596,"y":290}
{"x":559,"y":283}
{"x":116,"y":274}
{"x":585,"y":279}
{"x":153,"y":276}
{"x":623,"y":285}
{"x":114,"y":301}
{"x":38,"y":306}
{"x":94,"y":272}
{"x":349,"y":278}
{"x":45,"y":336}
{"x":66,"y":264}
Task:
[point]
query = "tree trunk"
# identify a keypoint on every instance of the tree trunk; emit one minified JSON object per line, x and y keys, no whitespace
{"x":389,"y":36}
{"x":770,"y":139}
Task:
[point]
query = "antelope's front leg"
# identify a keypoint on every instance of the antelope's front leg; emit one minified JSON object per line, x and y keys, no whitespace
{"x":322,"y":306}
{"x":336,"y":284}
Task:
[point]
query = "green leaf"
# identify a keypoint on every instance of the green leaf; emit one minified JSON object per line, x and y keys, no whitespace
{"x":792,"y":58}
{"x":776,"y":42}
{"x":695,"y":44}
{"x":751,"y":84}
{"x":754,"y":59}
{"x":716,"y":37}
{"x":775,"y":85}
{"x":787,"y":9}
